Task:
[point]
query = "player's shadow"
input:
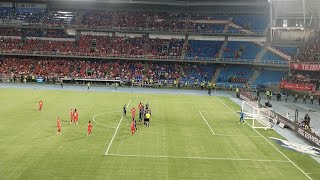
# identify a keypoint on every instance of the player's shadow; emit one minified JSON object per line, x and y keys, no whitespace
{"x":76,"y":139}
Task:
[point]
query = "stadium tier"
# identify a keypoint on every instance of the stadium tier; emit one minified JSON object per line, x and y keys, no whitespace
{"x":164,"y":21}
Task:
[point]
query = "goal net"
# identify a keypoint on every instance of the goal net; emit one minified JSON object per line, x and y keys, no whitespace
{"x":255,"y":116}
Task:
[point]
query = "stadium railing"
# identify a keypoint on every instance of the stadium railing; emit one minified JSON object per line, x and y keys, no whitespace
{"x":147,"y":57}
{"x":112,"y":28}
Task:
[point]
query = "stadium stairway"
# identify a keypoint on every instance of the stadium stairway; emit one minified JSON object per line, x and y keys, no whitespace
{"x":226,"y":27}
{"x":254,"y":76}
{"x":185,"y":45}
{"x":231,"y":24}
{"x":262,"y":52}
{"x":279,"y":53}
{"x":80,"y":17}
{"x":216,"y":74}
{"x":224,"y":45}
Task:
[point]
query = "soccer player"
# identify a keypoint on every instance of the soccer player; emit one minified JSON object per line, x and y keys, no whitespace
{"x":132,"y":128}
{"x":135,"y":125}
{"x":75,"y":116}
{"x":124,"y":111}
{"x":141,"y":114}
{"x":148,"y":115}
{"x":241,"y":117}
{"x":71,"y":115}
{"x":89,"y":128}
{"x":133,"y":112}
{"x":140,"y":106}
{"x":40,"y":105}
{"x":59,"y":126}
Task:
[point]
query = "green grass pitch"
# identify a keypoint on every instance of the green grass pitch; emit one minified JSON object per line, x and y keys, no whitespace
{"x":179,"y":144}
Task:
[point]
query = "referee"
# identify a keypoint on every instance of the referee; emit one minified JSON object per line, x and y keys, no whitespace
{"x":147,"y":120}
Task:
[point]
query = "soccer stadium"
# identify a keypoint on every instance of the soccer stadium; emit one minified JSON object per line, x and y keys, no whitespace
{"x":166,"y":89}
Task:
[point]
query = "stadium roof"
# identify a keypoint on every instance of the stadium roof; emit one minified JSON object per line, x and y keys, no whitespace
{"x":296,"y":8}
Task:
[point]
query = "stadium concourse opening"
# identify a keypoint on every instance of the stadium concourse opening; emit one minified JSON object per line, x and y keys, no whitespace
{"x":159,"y":90}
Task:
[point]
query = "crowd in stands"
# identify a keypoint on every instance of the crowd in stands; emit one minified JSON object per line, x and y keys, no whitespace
{"x":118,"y":45}
{"x":117,"y":18}
{"x":304,"y":77}
{"x":312,"y":53}
{"x":104,"y":69}
{"x":33,"y":45}
{"x":24,"y":32}
{"x":38,"y":16}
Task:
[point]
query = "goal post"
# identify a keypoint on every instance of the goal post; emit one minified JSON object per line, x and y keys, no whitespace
{"x":255,"y":116}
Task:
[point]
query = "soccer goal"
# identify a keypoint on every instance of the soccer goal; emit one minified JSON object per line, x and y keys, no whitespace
{"x":255,"y":116}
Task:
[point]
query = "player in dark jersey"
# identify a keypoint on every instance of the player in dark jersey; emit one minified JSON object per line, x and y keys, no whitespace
{"x":124,"y":110}
{"x":141,"y":114}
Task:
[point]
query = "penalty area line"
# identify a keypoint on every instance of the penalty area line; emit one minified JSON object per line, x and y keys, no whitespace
{"x":267,"y":140}
{"x":223,"y":135}
{"x":115,"y":132}
{"x":198,"y":158}
{"x":207,"y":123}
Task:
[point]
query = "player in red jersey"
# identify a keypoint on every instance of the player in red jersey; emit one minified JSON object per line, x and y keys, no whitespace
{"x":59,"y":126}
{"x":71,"y":115}
{"x":89,"y":128}
{"x":40,"y":105}
{"x":132,"y":128}
{"x":133,"y":112}
{"x":75,"y":116}
{"x":140,"y":106}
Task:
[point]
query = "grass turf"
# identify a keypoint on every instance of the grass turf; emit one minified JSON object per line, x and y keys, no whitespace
{"x":177,"y":145}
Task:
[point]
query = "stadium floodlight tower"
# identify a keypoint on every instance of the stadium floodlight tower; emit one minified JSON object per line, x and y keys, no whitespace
{"x":255,"y":116}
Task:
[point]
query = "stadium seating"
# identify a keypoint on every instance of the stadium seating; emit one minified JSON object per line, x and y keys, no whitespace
{"x":271,"y":77}
{"x":234,"y":75}
{"x":253,"y":23}
{"x":287,"y":50}
{"x":269,"y":56}
{"x":164,"y":21}
{"x":244,"y":50}
{"x":206,"y":49}
{"x":115,"y":69}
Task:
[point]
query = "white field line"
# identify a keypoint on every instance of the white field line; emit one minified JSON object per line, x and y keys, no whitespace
{"x":268,"y":142}
{"x":114,"y":135}
{"x":207,"y":123}
{"x":198,"y":158}
{"x":223,"y":135}
{"x":233,"y":135}
{"x":93,"y":119}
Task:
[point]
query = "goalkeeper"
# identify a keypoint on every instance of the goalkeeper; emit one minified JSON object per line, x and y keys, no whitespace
{"x":241,"y":117}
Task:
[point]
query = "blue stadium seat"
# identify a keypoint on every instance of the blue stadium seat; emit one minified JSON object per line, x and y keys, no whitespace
{"x":239,"y":74}
{"x":267,"y":76}
{"x":269,"y":56}
{"x":250,"y":50}
{"x":204,"y":48}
